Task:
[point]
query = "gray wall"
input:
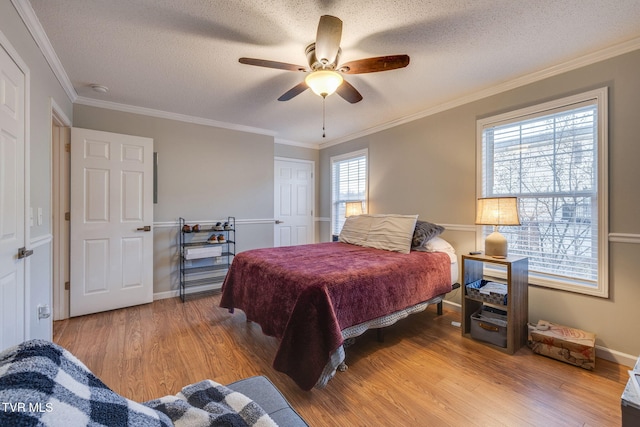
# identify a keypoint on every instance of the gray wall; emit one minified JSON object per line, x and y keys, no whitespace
{"x":428,"y":167}
{"x":44,"y":87}
{"x":204,"y":174}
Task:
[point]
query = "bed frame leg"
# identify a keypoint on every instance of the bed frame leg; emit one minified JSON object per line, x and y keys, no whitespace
{"x":380,"y":334}
{"x":440,"y":308}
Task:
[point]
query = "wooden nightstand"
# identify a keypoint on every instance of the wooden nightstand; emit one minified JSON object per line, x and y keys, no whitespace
{"x":517,"y":306}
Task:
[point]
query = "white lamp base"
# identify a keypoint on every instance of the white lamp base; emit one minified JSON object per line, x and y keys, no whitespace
{"x":495,"y":245}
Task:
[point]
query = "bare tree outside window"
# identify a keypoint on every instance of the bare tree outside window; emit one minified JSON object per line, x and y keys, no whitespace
{"x":550,"y":162}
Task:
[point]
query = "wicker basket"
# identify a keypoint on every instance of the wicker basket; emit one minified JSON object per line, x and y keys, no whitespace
{"x":473,"y":291}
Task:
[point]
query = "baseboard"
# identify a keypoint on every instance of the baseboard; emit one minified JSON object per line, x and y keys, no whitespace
{"x":454,"y":306}
{"x":601,"y":352}
{"x":616,"y":356}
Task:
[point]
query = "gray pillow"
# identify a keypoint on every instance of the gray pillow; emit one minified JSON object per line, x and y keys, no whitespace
{"x":424,"y":232}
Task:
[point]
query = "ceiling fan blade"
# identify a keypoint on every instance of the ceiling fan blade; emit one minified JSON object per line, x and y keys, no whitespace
{"x":373,"y":65}
{"x":348,"y":92}
{"x":294,"y":91}
{"x":272,"y":64}
{"x":328,"y":39}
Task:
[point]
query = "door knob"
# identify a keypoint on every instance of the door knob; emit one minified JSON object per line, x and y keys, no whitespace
{"x":24,"y":252}
{"x":279,"y":222}
{"x":145,"y":228}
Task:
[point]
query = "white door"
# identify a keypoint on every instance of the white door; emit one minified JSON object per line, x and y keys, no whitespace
{"x":12,"y":200}
{"x":111,"y":221}
{"x":293,"y":202}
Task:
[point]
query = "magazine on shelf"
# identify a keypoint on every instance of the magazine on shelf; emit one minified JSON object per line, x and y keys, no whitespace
{"x":499,"y":288}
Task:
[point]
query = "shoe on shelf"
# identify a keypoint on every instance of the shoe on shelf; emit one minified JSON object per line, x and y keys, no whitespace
{"x":212,"y":239}
{"x":221,"y":238}
{"x":226,"y":226}
{"x":218,"y":226}
{"x":186,"y":228}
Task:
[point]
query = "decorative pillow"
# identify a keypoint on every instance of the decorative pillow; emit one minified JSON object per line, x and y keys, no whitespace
{"x":355,"y":229}
{"x":391,"y":232}
{"x":424,"y":232}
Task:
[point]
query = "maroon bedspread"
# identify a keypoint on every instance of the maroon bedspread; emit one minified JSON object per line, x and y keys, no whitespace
{"x":305,"y":295}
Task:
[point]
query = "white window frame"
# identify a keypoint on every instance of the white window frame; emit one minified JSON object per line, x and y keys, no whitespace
{"x":599,"y":97}
{"x":340,"y":158}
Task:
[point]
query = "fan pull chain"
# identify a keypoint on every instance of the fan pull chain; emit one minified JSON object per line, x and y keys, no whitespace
{"x":324,"y":98}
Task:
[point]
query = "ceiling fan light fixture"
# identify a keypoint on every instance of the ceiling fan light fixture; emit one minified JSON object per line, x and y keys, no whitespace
{"x":324,"y":82}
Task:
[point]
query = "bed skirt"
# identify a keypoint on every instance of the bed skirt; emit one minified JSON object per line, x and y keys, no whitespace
{"x":338,"y":356}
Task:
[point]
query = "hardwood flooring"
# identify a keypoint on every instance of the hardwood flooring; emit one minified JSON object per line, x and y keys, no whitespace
{"x":423,"y":374}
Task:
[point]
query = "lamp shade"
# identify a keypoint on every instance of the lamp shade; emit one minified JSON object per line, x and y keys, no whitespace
{"x":324,"y":82}
{"x":353,"y":208}
{"x":497,"y":211}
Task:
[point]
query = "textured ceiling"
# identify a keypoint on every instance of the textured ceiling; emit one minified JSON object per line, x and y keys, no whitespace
{"x":182,"y":56}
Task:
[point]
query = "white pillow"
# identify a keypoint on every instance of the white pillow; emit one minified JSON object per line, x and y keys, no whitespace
{"x":438,"y":244}
{"x":355,"y":229}
{"x":389,"y":232}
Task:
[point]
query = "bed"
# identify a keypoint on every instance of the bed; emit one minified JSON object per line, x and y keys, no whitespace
{"x":314,"y":297}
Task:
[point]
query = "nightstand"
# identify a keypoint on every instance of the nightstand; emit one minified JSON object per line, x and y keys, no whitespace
{"x":517,"y":306}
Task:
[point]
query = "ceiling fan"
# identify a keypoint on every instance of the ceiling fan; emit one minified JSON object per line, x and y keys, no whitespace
{"x":324,"y":70}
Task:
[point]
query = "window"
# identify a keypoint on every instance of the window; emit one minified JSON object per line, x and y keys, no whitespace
{"x":348,"y":183}
{"x":553,"y":157}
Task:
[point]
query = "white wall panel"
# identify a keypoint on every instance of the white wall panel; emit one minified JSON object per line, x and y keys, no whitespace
{"x":132,"y":196}
{"x":96,"y":195}
{"x":132,"y":258}
{"x":96,"y":268}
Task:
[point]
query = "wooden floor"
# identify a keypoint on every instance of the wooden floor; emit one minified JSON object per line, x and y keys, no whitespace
{"x":423,"y":374}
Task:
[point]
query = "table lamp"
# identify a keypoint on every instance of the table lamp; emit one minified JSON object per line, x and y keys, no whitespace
{"x":497,"y":211}
{"x":353,"y":208}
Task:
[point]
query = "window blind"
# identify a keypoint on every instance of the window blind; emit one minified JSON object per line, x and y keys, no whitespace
{"x":348,"y":183}
{"x":549,"y":161}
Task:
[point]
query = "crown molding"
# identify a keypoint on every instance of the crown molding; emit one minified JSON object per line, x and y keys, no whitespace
{"x":188,"y":119}
{"x":313,"y":146}
{"x":26,"y":12}
{"x":588,"y":59}
{"x":169,"y":115}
